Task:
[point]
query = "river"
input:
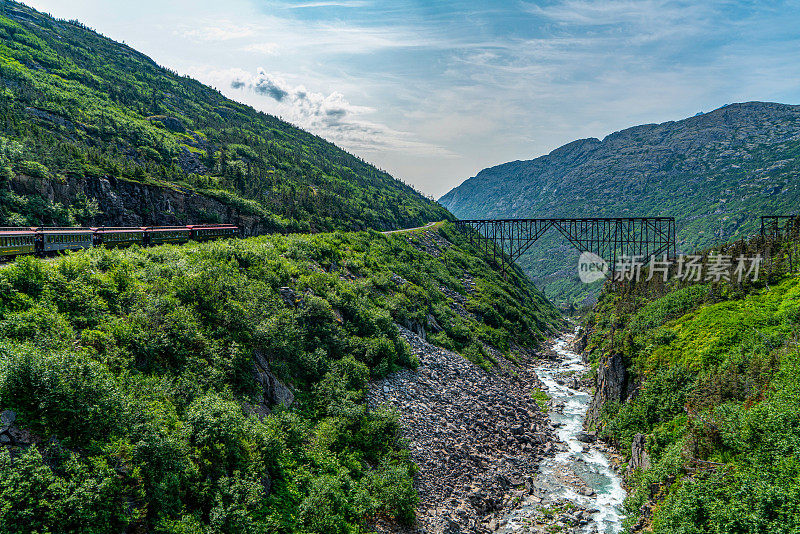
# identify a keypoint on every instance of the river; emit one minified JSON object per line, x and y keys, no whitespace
{"x":577,"y":488}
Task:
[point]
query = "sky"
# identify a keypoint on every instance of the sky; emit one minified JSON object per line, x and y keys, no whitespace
{"x":435,"y":91}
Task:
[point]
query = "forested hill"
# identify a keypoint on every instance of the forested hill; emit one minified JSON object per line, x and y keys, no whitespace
{"x":715,"y":172}
{"x":93,"y":132}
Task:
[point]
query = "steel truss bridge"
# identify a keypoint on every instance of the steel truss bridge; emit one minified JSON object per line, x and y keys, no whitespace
{"x":611,"y":238}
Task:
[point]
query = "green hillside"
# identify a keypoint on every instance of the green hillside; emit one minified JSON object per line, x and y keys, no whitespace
{"x":147,"y":383}
{"x":711,"y":383}
{"x":77,"y":108}
{"x":715,"y":173}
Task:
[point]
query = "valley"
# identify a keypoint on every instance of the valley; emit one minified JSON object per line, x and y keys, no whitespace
{"x":325,"y":349}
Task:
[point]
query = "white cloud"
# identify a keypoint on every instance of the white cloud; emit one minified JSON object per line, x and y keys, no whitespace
{"x":224,"y":30}
{"x":269,"y":49}
{"x":330,"y":115}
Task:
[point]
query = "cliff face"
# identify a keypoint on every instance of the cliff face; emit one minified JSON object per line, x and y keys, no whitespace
{"x":126,"y":203}
{"x":611,"y":386}
{"x":715,"y":173}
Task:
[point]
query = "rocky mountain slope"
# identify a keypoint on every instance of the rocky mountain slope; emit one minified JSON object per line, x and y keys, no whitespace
{"x":93,"y":132}
{"x":715,"y":173}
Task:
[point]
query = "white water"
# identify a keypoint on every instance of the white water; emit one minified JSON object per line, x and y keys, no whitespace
{"x":592,"y":466}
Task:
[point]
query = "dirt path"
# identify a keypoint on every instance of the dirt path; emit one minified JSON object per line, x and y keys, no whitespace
{"x":429,"y":226}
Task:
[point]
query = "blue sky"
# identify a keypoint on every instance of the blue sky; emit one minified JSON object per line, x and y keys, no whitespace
{"x":435,"y":91}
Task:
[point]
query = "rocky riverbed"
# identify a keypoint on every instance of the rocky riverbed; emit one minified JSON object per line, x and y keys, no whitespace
{"x":490,"y":458}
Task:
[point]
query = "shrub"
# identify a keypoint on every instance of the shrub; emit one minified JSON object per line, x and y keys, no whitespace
{"x":33,"y":168}
{"x":81,"y":496}
{"x":62,"y":394}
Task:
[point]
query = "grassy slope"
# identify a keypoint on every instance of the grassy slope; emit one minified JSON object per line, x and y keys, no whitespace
{"x":717,"y":369}
{"x":133,"y":368}
{"x":74,"y":103}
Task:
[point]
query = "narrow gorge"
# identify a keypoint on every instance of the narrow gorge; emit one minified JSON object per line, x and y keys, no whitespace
{"x":493,"y":454}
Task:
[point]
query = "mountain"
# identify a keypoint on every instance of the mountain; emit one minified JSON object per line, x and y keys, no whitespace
{"x":715,"y":173}
{"x":93,"y":132}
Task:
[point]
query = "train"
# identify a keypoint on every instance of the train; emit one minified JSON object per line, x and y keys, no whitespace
{"x":15,"y":241}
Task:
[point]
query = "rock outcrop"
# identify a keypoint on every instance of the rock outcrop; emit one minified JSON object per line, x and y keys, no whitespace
{"x":12,"y":435}
{"x":611,"y":386}
{"x":639,"y":457}
{"x":271,"y":391}
{"x":127,"y":203}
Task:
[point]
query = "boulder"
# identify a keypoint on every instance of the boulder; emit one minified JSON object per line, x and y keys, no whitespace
{"x":7,"y":418}
{"x":288,"y":295}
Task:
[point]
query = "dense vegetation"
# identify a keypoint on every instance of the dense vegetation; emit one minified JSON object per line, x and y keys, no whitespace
{"x":133,"y":369}
{"x":76,"y":105}
{"x":715,"y":173}
{"x":713,"y":378}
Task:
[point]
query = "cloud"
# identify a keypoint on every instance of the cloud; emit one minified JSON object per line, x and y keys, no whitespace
{"x":270,"y":49}
{"x":308,"y":106}
{"x":330,"y":115}
{"x":223,"y":30}
{"x":267,"y":85}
